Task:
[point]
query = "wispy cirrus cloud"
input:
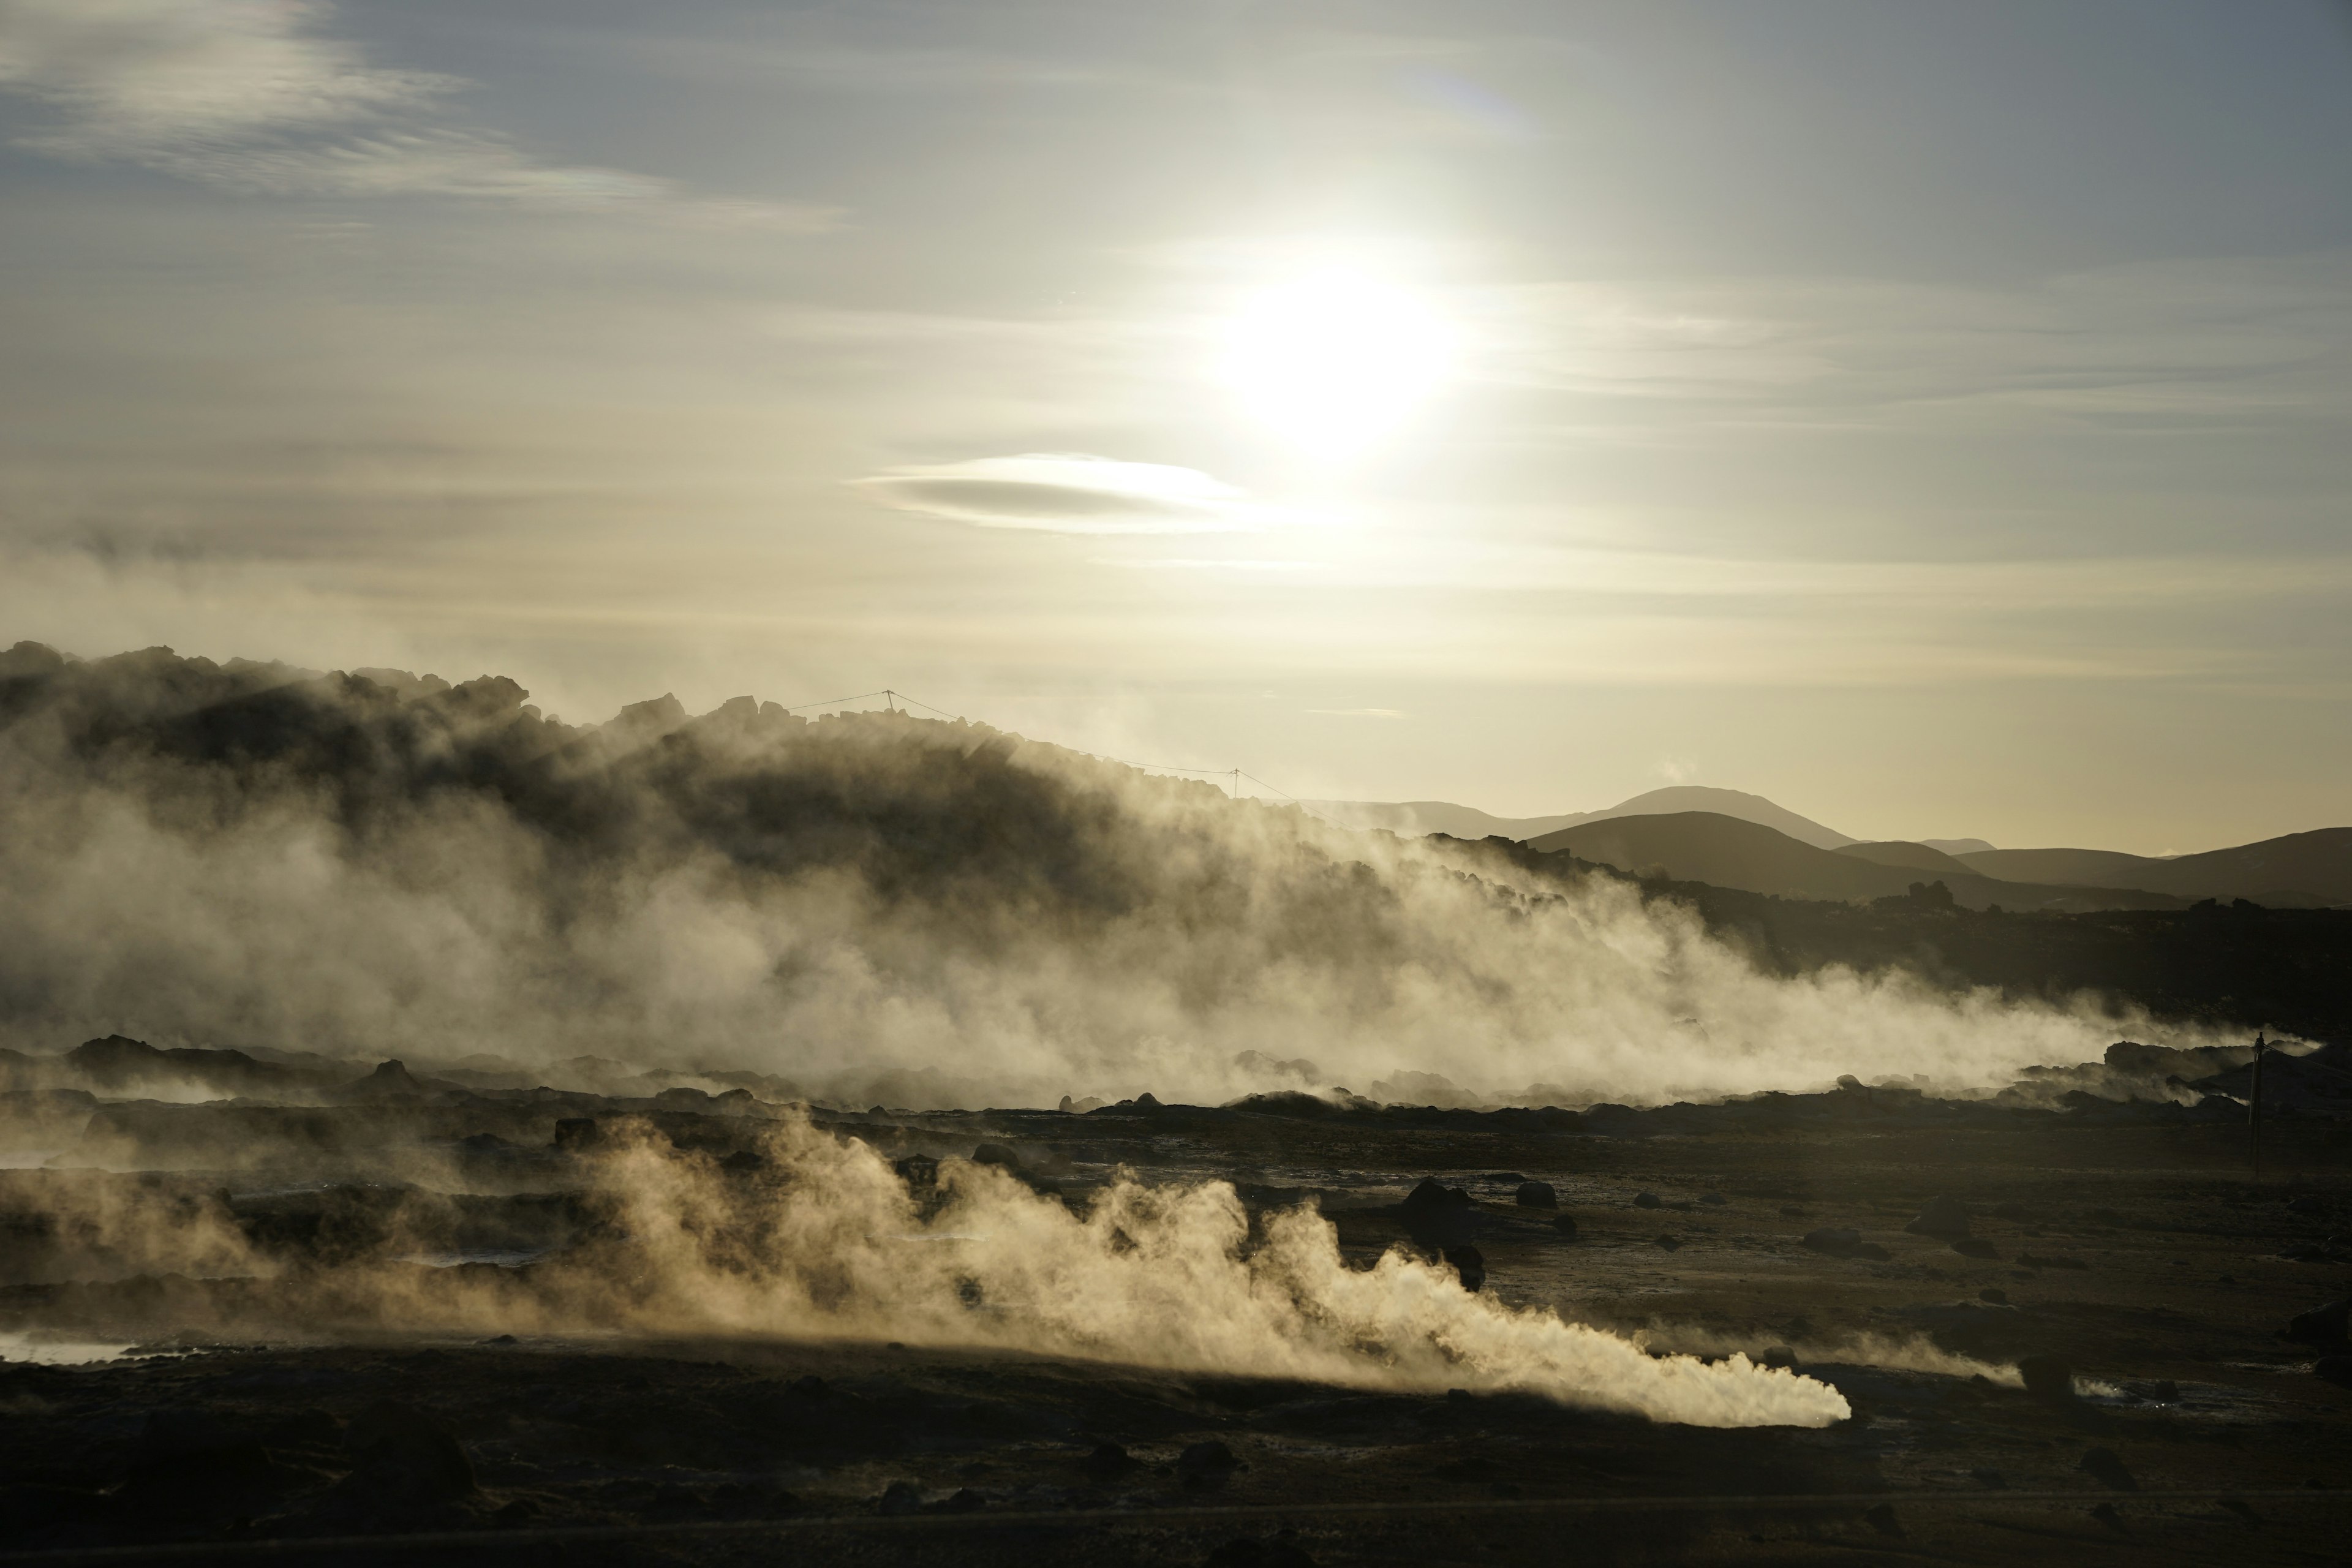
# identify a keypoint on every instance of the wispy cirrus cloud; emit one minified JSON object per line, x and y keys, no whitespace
{"x":253,"y":96}
{"x":1060,"y":492}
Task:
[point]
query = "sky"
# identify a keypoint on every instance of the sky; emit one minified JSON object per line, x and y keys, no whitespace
{"x":1937,"y":418}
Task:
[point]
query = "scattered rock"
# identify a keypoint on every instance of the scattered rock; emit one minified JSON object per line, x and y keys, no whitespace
{"x":2047,"y":1377}
{"x":1107,"y":1460}
{"x":1470,"y":1264}
{"x":1537,"y":1195}
{"x":2052,"y":1260}
{"x":1974,"y":1246}
{"x":1430,"y":1194}
{"x":2335,"y":1368}
{"x":1714,"y":1200}
{"x":1944,"y":1216}
{"x":1566,"y":1225}
{"x":1671,"y":1243}
{"x":1206,"y":1464}
{"x":996,"y":1154}
{"x":1882,"y":1519}
{"x":898,"y":1499}
{"x":1505,"y":1177}
{"x":2105,"y":1465}
{"x":2322,"y":1325}
{"x":1646,"y":1200}
{"x":1994,"y":1294}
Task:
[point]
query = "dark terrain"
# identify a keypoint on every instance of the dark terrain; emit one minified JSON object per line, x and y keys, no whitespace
{"x":513,"y":1297}
{"x":2125,"y":1239}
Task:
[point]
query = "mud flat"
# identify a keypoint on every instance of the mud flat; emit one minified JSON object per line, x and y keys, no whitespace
{"x":230,"y":1324}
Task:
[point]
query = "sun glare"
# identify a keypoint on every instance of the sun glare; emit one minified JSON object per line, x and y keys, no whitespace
{"x":1336,"y":360}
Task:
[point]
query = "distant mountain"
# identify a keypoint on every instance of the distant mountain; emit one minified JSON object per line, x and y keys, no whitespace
{"x":2298,"y":869}
{"x":1727,"y":852}
{"x":1955,"y":846}
{"x":1917,"y":856}
{"x":1426,"y":817}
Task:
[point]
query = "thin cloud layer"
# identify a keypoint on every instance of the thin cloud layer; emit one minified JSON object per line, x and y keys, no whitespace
{"x":250,"y":96}
{"x":1068,"y":493}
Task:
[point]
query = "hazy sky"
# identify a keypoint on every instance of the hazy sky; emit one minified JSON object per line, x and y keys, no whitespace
{"x":1935,"y":416}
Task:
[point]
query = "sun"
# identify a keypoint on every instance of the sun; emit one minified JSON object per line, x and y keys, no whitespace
{"x":1335,"y":360}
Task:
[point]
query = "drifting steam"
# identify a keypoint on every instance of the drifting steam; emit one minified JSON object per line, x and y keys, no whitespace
{"x":923,"y":912}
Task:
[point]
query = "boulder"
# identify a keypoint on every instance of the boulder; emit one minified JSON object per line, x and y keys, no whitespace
{"x":2323,"y":1325}
{"x":2047,"y":1377}
{"x":1646,"y":1200}
{"x":2106,"y":1466}
{"x":1943,"y":1216}
{"x":1566,"y":1224}
{"x":1206,"y":1464}
{"x":1470,"y":1264}
{"x":1431,"y":1194}
{"x":1974,"y":1246}
{"x":1537,"y":1195}
{"x":1107,"y":1461}
{"x":996,"y":1154}
{"x":2335,"y":1368}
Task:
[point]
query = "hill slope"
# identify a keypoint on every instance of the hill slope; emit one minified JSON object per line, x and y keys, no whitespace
{"x":1725,"y":852}
{"x":1917,"y":857}
{"x":2317,"y":865}
{"x":1427,"y":816}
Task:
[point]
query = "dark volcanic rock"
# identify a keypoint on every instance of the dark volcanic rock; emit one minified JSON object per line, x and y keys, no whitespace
{"x":1646,"y":1200}
{"x":1207,"y":1462}
{"x":996,"y":1154}
{"x":1537,"y":1195}
{"x":1470,"y":1264}
{"x":2047,"y":1377}
{"x":2323,"y":1325}
{"x":1566,"y":1225}
{"x":1430,"y":1194}
{"x":1107,"y":1461}
{"x":1835,"y":1242}
{"x":1974,"y":1246}
{"x":2335,"y":1368}
{"x":2107,"y":1468}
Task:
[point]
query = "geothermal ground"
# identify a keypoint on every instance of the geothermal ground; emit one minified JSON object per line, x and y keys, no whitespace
{"x":429,"y":1322}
